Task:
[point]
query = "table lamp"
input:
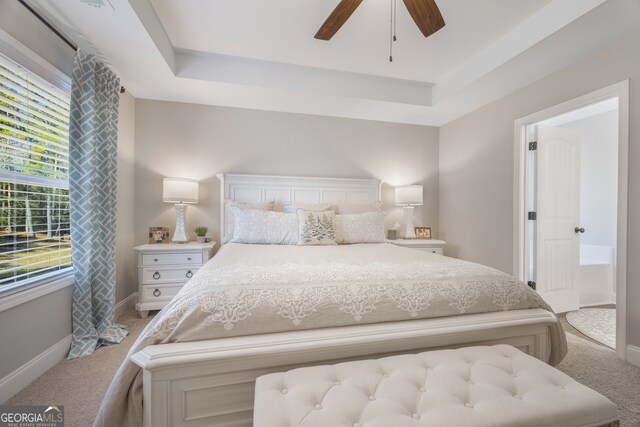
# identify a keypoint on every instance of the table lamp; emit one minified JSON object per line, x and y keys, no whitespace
{"x":180,"y":191}
{"x":408,"y":196}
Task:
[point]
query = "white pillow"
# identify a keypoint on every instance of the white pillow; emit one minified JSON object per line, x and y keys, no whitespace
{"x":291,"y":207}
{"x":316,"y":228}
{"x":264,"y":227}
{"x":228,"y":215}
{"x":365,"y":227}
{"x":356,"y":208}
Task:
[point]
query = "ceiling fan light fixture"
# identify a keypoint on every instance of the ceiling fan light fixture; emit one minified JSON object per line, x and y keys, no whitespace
{"x":97,"y":3}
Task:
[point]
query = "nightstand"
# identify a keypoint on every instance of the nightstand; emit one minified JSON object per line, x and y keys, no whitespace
{"x":164,"y":268}
{"x":430,"y":245}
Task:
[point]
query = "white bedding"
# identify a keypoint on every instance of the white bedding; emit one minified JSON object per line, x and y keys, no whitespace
{"x":256,"y":289}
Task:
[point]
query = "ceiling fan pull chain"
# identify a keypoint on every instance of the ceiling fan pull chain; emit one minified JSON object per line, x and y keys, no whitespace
{"x":391,"y":33}
{"x":395,"y":18}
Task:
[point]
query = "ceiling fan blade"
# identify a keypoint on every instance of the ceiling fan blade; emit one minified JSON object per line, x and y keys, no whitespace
{"x":338,"y":17}
{"x":426,"y":15}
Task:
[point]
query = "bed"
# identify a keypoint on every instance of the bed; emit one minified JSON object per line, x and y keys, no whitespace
{"x":256,"y":309}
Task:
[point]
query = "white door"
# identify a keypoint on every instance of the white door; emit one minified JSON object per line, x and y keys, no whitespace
{"x":558,"y":217}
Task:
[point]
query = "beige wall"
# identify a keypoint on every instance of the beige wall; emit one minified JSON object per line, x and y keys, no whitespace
{"x":126,"y":277}
{"x":197,"y":141}
{"x":31,"y":328}
{"x":476,"y":164}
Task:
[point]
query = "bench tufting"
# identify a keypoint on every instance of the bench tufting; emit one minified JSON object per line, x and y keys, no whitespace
{"x":474,"y":386}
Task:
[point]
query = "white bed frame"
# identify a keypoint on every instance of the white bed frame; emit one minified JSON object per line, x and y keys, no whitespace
{"x":211,"y":383}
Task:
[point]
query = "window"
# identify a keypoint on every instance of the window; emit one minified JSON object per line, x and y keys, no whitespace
{"x":34,"y":177}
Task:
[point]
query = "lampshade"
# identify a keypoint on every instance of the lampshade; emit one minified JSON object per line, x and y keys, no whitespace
{"x":409,"y":195}
{"x":179,"y":190}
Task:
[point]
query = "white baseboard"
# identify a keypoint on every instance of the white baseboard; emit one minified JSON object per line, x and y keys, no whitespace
{"x":633,"y":354}
{"x":127,"y":304}
{"x":27,"y":373}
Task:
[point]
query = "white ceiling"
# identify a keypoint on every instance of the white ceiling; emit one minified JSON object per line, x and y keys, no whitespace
{"x":262,"y":54}
{"x":283,"y":30}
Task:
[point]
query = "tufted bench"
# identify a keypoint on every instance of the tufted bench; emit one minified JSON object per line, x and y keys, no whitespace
{"x":474,"y":386}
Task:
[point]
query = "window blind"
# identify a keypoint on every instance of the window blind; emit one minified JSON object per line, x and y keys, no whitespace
{"x":34,"y":177}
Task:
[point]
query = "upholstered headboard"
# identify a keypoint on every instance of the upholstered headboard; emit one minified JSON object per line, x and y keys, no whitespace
{"x":295,"y":189}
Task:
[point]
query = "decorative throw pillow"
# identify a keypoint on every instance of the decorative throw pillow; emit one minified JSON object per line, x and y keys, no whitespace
{"x":356,"y":208}
{"x":228,"y":215}
{"x":316,"y":228}
{"x":365,"y":227}
{"x":264,"y":227}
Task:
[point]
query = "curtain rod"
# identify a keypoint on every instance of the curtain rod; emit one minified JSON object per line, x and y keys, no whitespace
{"x":54,"y":30}
{"x":48,"y":25}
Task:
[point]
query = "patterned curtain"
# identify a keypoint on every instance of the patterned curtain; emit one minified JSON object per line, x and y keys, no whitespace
{"x":92,"y":192}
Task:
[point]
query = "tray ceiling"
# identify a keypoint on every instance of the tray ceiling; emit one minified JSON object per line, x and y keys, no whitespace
{"x":262,"y":54}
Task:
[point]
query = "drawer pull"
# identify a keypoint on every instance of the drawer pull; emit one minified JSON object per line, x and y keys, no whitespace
{"x":189,"y":274}
{"x":156,"y":292}
{"x":189,"y":259}
{"x":156,"y":275}
{"x":155,"y":260}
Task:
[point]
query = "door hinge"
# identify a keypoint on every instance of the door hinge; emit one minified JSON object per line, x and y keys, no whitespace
{"x":532,"y":216}
{"x":531,"y":284}
{"x":533,"y":145}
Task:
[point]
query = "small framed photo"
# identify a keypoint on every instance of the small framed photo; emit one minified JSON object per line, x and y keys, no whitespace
{"x":158,"y":234}
{"x":423,"y":232}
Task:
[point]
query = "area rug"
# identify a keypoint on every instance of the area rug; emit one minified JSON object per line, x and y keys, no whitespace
{"x":597,"y":323}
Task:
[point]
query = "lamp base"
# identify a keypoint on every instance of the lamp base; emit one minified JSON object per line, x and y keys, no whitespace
{"x":408,"y":232}
{"x":180,"y":235}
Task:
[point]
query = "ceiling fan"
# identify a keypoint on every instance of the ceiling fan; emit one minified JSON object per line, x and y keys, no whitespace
{"x":425,"y":14}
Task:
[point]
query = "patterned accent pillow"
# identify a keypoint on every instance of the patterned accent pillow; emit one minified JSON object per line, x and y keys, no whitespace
{"x":365,"y":227}
{"x":228,"y":215}
{"x":264,"y":227}
{"x":316,"y":228}
{"x":345,"y":208}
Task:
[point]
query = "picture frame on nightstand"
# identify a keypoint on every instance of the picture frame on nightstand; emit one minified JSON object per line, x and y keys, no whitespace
{"x":423,"y":233}
{"x":158,"y":235}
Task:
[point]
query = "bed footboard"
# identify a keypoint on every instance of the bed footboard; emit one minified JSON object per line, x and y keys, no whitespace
{"x":211,"y":382}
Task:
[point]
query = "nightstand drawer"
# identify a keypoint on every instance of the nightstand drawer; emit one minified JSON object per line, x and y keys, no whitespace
{"x":167,"y":274}
{"x":160,"y":292}
{"x":194,"y":258}
{"x":164,"y":268}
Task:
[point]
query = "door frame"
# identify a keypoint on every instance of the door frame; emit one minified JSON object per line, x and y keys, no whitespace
{"x":520,"y":229}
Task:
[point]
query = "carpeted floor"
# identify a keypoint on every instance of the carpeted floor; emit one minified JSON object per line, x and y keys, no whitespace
{"x":80,"y":384}
{"x":596,"y":365}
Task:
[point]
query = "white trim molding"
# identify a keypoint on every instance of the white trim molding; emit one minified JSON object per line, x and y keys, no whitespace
{"x":633,"y":355}
{"x":13,"y":383}
{"x":621,"y":91}
{"x":127,"y":304}
{"x":21,"y":54}
{"x":36,"y":290}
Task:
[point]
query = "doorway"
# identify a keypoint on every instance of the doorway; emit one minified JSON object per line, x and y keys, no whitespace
{"x":570,"y":208}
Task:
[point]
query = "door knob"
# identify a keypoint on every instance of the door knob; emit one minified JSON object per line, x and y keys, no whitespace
{"x":579,"y":230}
